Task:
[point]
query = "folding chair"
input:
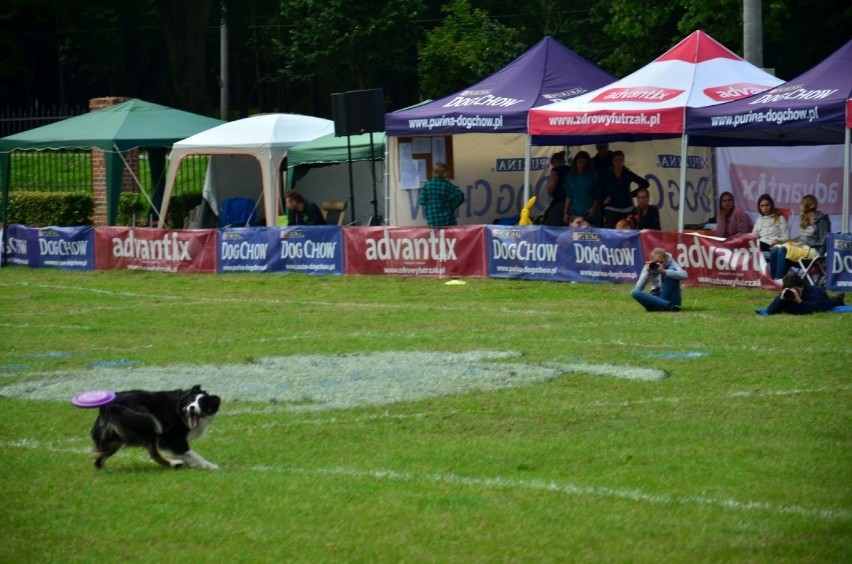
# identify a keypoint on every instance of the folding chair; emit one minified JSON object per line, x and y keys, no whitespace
{"x":238,"y":212}
{"x":812,"y":269}
{"x":332,"y":207}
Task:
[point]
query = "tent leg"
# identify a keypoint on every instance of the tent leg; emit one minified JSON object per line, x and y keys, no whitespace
{"x":684,"y":146}
{"x":846,"y":148}
{"x":527,"y":164}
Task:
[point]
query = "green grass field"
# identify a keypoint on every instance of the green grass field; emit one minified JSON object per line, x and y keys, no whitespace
{"x":374,"y":419}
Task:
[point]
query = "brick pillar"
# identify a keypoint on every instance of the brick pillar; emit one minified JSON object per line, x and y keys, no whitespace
{"x":99,"y":191}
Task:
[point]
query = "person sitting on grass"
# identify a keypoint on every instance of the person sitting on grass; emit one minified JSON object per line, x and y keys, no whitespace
{"x":798,"y":298}
{"x":665,"y":275}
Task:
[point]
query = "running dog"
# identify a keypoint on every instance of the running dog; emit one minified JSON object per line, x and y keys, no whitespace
{"x":162,"y":422}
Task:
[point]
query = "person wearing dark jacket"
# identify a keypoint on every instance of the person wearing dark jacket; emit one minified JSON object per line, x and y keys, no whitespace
{"x":301,"y":211}
{"x":645,"y":216}
{"x":616,"y":192}
{"x":798,"y":298}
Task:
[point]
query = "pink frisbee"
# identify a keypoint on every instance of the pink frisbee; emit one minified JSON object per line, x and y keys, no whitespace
{"x":93,"y":398}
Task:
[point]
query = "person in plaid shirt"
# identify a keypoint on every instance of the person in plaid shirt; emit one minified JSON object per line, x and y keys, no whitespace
{"x":440,"y":198}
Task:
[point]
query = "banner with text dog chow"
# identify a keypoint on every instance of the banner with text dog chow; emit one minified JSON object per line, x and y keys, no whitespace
{"x":565,"y":255}
{"x":839,"y":262}
{"x":309,"y":250}
{"x":66,"y":248}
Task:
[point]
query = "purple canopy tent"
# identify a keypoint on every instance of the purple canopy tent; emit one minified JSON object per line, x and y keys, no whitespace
{"x":811,"y":109}
{"x":548,"y":72}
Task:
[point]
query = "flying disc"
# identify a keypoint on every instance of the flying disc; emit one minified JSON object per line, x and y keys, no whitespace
{"x":93,"y":398}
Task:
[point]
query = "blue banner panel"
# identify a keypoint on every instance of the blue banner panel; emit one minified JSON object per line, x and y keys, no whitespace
{"x":839,"y":262}
{"x":600,"y":255}
{"x":66,"y":248}
{"x":305,"y":249}
{"x":564,"y":254}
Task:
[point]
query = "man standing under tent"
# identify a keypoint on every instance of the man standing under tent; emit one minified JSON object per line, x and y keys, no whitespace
{"x":440,"y":198}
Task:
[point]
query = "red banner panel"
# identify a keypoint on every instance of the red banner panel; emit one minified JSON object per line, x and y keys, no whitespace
{"x":711,"y":261}
{"x":134,"y":248}
{"x":415,"y":251}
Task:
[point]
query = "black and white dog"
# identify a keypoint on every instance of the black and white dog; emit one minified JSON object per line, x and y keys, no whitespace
{"x":162,"y":422}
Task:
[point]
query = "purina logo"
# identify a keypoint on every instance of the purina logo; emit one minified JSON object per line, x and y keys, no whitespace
{"x":729,"y":92}
{"x":637,"y":94}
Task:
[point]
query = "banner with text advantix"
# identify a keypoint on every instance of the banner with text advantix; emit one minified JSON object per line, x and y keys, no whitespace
{"x":66,"y":248}
{"x":416,"y":251}
{"x":131,"y":248}
{"x":309,"y":250}
{"x":566,"y":255}
{"x":712,"y":261}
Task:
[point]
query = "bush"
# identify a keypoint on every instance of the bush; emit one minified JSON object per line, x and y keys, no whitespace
{"x":131,"y":206}
{"x":62,"y":209}
{"x":179,"y":208}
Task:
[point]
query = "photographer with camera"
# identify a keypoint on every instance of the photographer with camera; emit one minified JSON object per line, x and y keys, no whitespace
{"x":798,"y":298}
{"x":665,"y":275}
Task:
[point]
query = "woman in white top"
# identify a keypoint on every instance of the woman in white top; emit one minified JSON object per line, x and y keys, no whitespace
{"x":771,"y":227}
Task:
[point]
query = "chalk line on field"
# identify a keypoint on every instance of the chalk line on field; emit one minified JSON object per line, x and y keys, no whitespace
{"x":499,"y":482}
{"x":562,"y":487}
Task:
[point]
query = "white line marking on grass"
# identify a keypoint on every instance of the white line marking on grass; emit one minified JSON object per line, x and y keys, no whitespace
{"x":732,"y":395}
{"x":45,"y":326}
{"x":565,"y":488}
{"x":504,"y":483}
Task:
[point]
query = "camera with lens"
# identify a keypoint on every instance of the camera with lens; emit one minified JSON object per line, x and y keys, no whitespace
{"x":653,"y":266}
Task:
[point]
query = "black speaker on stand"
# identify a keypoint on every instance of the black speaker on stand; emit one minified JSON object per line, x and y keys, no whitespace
{"x":357,"y":112}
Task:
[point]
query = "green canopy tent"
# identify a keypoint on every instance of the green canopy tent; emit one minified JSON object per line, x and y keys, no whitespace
{"x":333,"y":153}
{"x":134,"y":124}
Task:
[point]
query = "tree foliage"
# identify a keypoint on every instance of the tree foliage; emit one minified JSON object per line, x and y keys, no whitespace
{"x":289,"y":55}
{"x":465,"y":48}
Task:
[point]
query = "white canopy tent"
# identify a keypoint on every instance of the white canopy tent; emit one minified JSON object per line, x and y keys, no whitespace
{"x":246,"y":157}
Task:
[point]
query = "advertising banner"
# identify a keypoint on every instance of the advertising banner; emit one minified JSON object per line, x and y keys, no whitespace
{"x":131,"y":248}
{"x":309,"y":250}
{"x":712,"y":261}
{"x":66,"y":248}
{"x":564,"y":254}
{"x":787,"y":174}
{"x":416,"y":251}
{"x":839,"y":262}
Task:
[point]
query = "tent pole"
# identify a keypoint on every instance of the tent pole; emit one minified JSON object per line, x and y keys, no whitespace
{"x":846,"y":183}
{"x":527,"y":163}
{"x":138,"y":182}
{"x":684,"y":146}
{"x":5,"y":180}
{"x":351,"y":181}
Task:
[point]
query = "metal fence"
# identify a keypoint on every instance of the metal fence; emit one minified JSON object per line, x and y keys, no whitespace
{"x":17,"y":120}
{"x":71,"y":170}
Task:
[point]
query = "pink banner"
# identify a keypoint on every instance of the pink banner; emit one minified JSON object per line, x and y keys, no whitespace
{"x":155,"y":249}
{"x":710,"y":261}
{"x":787,"y":185}
{"x":415,"y":251}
